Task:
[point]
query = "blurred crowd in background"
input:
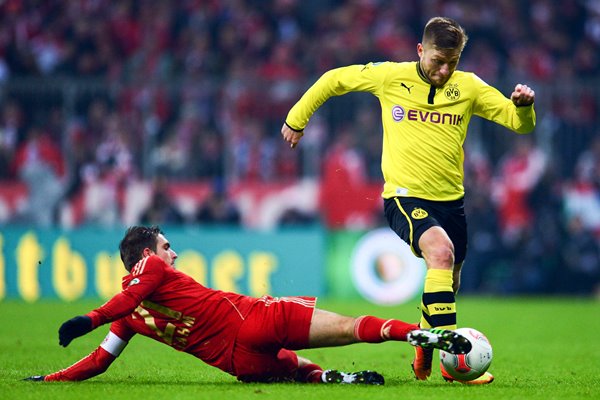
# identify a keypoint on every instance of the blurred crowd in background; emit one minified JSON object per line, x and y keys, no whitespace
{"x":99,"y":97}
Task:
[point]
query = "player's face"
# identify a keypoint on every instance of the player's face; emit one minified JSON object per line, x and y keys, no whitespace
{"x":164,"y":250}
{"x":437,"y":65}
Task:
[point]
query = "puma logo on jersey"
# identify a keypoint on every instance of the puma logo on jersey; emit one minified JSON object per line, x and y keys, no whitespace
{"x":419,"y":213}
{"x":406,"y":87}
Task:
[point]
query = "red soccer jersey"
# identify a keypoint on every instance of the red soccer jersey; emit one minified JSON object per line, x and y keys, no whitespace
{"x":169,"y":306}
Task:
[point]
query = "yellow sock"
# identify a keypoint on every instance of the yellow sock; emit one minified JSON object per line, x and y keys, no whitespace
{"x":438,"y":306}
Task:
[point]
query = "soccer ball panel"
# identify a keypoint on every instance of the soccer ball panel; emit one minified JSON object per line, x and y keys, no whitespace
{"x":466,"y":367}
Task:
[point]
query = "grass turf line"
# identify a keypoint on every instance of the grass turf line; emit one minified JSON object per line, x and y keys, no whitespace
{"x":544,"y":348}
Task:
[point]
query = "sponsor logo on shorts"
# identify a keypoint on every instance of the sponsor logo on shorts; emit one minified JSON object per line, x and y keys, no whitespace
{"x":419,"y":213}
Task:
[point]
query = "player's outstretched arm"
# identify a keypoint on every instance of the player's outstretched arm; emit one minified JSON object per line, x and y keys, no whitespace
{"x":94,"y":364}
{"x":522,"y":96}
{"x":73,"y":328}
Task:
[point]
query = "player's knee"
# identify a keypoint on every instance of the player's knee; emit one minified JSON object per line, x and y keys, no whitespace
{"x":437,"y":248}
{"x":440,"y":256}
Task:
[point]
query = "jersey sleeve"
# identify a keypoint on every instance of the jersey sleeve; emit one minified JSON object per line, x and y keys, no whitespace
{"x":147,"y":276}
{"x":336,"y":82}
{"x":100,"y":359}
{"x":494,"y":106}
{"x":94,"y":364}
{"x":123,"y":332}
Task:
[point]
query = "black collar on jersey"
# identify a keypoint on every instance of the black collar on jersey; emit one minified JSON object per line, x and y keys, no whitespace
{"x":431,"y":94}
{"x":424,"y":77}
{"x":421,"y":73}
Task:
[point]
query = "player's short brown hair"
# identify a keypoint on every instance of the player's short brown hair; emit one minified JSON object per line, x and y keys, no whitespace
{"x":136,"y":239}
{"x":444,"y":34}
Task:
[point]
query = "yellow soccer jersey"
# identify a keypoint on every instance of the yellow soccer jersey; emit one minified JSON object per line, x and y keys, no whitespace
{"x":424,"y":128}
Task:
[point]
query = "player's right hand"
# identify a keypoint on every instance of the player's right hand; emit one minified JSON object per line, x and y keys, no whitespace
{"x":36,"y":378}
{"x":290,"y":135}
{"x":74,"y":328}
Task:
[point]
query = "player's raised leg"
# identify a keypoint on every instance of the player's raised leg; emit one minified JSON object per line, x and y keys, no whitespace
{"x":438,"y":305}
{"x":329,"y":329}
{"x":487,"y":377}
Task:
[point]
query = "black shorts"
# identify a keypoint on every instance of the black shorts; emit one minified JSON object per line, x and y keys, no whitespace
{"x":409,"y":217}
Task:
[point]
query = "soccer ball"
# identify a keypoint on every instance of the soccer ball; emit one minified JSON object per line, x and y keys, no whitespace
{"x":466,"y":367}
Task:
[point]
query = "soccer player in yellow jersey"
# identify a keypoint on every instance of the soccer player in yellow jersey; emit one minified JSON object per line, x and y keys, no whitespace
{"x":426,"y":107}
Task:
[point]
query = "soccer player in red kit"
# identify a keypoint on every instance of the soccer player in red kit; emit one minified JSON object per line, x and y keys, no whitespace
{"x":251,"y":338}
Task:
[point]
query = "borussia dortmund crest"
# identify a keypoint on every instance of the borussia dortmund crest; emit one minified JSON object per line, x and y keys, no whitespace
{"x":452,"y":92}
{"x":419,"y":213}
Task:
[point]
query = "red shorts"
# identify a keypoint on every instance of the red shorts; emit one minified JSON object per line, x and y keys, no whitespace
{"x":274,"y":327}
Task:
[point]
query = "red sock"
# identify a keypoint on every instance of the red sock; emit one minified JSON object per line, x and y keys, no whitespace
{"x":376,"y":330}
{"x":310,"y":373}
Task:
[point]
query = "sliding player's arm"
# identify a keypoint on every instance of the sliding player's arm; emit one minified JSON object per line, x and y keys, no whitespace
{"x":147,"y":274}
{"x":97,"y":361}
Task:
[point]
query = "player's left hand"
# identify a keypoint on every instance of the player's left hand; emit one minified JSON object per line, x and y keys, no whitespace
{"x":523,"y":95}
{"x":74,"y":328}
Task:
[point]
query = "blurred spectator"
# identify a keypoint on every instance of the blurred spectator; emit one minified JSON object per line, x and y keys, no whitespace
{"x":536,"y":257}
{"x":519,"y":172}
{"x":294,"y":217}
{"x":171,"y":156}
{"x":161,"y":210}
{"x":344,"y":197}
{"x":582,"y":195}
{"x":114,"y":158}
{"x":39,"y":164}
{"x":11,"y":132}
{"x":208,"y":155}
{"x":582,"y":260}
{"x":582,"y":201}
{"x":367,"y":131}
{"x":218,"y":209}
{"x":587,"y":168}
{"x":485,"y":243}
{"x":254,"y":152}
{"x":528,"y":270}
{"x":281,"y":75}
{"x":110,"y":168}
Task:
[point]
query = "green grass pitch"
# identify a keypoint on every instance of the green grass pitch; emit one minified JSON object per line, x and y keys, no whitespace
{"x":544,"y":348}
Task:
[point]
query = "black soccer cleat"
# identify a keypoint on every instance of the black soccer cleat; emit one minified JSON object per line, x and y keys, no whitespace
{"x":35,"y":378}
{"x":442,"y":339}
{"x":354,"y":378}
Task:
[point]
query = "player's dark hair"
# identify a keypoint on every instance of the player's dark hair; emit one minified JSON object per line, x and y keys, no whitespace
{"x":136,"y":239}
{"x":445,"y":34}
